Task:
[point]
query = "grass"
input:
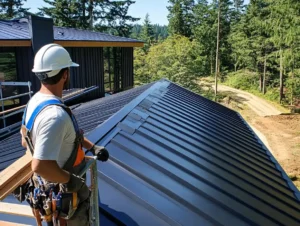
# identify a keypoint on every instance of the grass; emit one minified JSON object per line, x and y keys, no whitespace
{"x":10,"y":102}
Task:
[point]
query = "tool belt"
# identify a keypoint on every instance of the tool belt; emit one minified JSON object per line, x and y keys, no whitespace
{"x":49,"y":199}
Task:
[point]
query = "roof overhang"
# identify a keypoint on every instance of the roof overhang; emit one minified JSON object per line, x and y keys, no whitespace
{"x":27,"y":43}
{"x":98,"y":44}
{"x":15,"y":43}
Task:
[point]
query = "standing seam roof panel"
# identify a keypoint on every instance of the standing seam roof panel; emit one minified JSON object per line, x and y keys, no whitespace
{"x":188,"y":163}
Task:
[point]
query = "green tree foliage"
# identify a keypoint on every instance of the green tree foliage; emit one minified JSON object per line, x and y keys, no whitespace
{"x":67,"y":13}
{"x":205,"y":31}
{"x":117,"y":18}
{"x":102,"y":15}
{"x":181,"y":17}
{"x":175,"y":59}
{"x":259,"y":46}
{"x":147,"y":33}
{"x":284,"y":21}
{"x":10,"y":9}
{"x":160,"y":31}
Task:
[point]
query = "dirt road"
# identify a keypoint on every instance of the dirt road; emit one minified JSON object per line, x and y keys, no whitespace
{"x":258,"y":105}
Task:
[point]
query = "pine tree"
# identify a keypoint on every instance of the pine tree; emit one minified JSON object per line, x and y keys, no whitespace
{"x":285,"y":23}
{"x":117,"y":18}
{"x":205,"y":31}
{"x":180,"y":17}
{"x":68,"y":13}
{"x":101,"y":15}
{"x":10,"y":9}
{"x":147,"y":33}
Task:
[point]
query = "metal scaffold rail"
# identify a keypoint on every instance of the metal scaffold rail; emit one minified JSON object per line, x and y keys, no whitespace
{"x":7,"y":113}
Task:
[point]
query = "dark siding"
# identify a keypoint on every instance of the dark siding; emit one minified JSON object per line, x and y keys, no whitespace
{"x":127,"y":68}
{"x":24,"y":64}
{"x":90,"y":71}
{"x":24,"y":59}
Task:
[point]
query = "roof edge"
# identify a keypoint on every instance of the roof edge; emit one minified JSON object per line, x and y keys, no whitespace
{"x":98,"y":32}
{"x":86,"y":43}
{"x":289,"y":182}
{"x":15,"y":42}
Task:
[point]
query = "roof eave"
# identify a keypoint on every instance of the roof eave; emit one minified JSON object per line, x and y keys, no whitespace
{"x":85,"y":43}
{"x":15,"y":43}
{"x":70,"y":43}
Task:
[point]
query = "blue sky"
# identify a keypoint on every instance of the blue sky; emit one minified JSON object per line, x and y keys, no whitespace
{"x":157,"y":9}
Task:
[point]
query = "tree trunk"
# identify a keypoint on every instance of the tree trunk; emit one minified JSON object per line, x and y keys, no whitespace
{"x":217,"y":52}
{"x":91,"y":9}
{"x":293,"y":76}
{"x":235,"y":65}
{"x":260,"y":81}
{"x":281,"y":76}
{"x":211,"y":63}
{"x":264,"y":78}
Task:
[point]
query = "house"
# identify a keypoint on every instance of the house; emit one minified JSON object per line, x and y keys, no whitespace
{"x":177,"y":158}
{"x":105,"y":60}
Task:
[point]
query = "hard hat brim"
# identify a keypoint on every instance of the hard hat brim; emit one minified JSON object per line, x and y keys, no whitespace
{"x":74,"y":65}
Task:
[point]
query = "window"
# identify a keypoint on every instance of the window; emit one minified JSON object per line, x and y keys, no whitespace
{"x":8,"y":72}
{"x":111,"y":69}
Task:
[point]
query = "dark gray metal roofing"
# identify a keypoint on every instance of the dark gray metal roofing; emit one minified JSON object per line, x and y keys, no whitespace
{"x":13,"y":30}
{"x":89,"y":115}
{"x":177,"y":158}
{"x":189,"y":161}
{"x":19,"y":30}
{"x":72,"y":34}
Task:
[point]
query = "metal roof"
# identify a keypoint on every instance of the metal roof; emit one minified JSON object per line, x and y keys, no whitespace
{"x":177,"y":158}
{"x":19,"y":30}
{"x":89,"y":115}
{"x":186,"y":160}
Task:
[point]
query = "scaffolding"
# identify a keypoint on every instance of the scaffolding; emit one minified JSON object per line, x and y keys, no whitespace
{"x":4,"y":114}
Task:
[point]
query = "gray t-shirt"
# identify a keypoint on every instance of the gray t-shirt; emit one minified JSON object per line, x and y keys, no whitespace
{"x":53,"y":133}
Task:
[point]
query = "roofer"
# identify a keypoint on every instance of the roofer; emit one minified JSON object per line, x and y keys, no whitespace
{"x":50,"y":131}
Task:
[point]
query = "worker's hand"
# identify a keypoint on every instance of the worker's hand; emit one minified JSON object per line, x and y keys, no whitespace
{"x":101,"y":153}
{"x":77,"y":184}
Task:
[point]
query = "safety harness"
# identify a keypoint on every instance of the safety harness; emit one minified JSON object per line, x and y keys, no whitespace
{"x":49,"y":199}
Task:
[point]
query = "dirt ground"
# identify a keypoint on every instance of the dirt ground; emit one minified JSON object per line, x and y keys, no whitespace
{"x":280,"y":133}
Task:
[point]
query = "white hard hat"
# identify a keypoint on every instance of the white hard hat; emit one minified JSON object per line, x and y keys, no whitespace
{"x":50,"y":59}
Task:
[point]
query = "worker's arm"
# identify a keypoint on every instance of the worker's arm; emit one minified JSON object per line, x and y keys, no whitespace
{"x":87,"y":144}
{"x":50,"y":170}
{"x":100,"y":151}
{"x":23,"y":141}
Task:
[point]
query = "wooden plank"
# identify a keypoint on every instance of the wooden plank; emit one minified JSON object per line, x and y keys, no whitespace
{"x":16,"y":209}
{"x":15,"y":175}
{"x":98,"y":44}
{"x":12,"y":43}
{"x":5,"y":223}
